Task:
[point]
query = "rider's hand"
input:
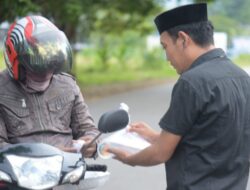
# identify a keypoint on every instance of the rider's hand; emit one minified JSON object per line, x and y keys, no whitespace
{"x":91,"y":149}
{"x":68,"y":149}
{"x":144,"y":130}
{"x":89,"y":152}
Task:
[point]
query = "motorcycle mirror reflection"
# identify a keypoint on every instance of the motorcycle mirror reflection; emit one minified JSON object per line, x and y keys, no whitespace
{"x":113,"y":121}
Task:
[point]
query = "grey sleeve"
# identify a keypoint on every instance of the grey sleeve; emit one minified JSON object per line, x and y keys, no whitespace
{"x":3,"y":132}
{"x":82,"y":122}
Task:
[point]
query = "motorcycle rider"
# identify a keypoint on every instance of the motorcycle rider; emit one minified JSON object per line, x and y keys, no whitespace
{"x":38,"y":101}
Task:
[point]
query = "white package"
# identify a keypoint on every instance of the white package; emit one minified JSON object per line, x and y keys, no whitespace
{"x":122,"y":139}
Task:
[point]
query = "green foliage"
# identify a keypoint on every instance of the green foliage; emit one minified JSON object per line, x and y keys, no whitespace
{"x":2,"y":64}
{"x":154,"y":59}
{"x":83,"y":16}
{"x":65,"y":14}
{"x":116,"y":75}
{"x":127,"y":51}
{"x":78,"y":18}
{"x":224,"y":24}
{"x":243,"y":60}
{"x":227,"y":25}
{"x":116,"y":21}
{"x":11,"y":9}
{"x":204,"y":1}
{"x":126,"y":59}
{"x":239,"y":10}
{"x":231,"y":16}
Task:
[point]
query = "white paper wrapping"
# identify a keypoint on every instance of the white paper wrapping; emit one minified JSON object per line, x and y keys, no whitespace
{"x":123,"y":139}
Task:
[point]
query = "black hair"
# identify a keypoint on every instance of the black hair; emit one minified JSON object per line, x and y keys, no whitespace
{"x":200,"y":32}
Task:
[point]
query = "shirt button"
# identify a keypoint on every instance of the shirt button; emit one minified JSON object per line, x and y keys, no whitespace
{"x":58,"y":106}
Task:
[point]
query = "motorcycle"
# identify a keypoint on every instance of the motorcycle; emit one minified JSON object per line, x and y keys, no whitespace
{"x":41,"y":166}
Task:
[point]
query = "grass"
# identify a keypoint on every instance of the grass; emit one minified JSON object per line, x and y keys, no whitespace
{"x":242,"y":60}
{"x":122,"y":76}
{"x":2,"y":64}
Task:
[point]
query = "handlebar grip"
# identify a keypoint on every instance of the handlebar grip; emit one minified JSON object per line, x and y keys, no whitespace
{"x":97,"y":167}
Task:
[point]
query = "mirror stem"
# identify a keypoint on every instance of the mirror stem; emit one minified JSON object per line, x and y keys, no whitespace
{"x":84,"y":148}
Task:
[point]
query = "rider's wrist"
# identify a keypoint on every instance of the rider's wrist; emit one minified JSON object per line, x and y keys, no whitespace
{"x":95,"y":154}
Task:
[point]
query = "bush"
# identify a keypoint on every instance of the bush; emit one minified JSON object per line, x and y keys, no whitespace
{"x":242,"y":60}
{"x":2,"y":64}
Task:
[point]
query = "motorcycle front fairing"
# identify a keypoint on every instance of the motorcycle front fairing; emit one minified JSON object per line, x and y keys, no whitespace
{"x":39,"y":166}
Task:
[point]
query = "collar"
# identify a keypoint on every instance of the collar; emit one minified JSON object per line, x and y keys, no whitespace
{"x":212,"y":54}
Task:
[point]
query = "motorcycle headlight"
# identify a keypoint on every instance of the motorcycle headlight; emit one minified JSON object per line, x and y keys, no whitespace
{"x":36,"y":173}
{"x":74,"y":175}
{"x":5,"y":177}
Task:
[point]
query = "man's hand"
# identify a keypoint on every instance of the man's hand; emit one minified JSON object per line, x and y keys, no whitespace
{"x":145,"y":131}
{"x":160,"y":151}
{"x":120,"y":155}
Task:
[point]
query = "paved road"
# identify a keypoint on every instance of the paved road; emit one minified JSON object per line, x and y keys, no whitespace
{"x":147,"y":105}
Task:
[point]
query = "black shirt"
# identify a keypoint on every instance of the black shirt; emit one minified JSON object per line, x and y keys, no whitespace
{"x":210,"y":109}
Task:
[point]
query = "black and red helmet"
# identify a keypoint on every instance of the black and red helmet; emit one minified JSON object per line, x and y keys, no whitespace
{"x":34,"y":43}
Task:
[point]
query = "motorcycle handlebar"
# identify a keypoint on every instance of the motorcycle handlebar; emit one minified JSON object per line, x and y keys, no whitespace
{"x":96,"y":167}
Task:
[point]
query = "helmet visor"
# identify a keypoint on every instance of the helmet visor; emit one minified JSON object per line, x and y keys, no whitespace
{"x":47,"y":51}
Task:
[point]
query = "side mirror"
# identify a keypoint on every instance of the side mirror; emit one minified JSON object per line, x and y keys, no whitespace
{"x":113,"y":120}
